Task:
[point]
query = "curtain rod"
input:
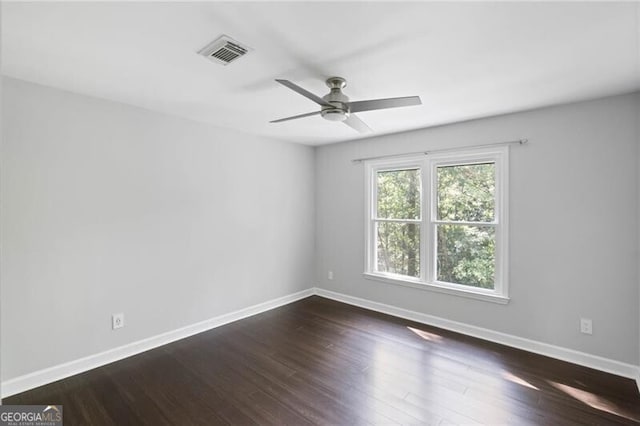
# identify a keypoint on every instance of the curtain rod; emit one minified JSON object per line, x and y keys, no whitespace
{"x":518,"y":142}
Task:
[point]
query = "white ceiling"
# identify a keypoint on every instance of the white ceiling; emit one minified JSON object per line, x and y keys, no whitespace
{"x":465,"y":60}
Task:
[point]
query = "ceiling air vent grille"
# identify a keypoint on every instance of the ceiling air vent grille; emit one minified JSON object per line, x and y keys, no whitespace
{"x":224,"y":50}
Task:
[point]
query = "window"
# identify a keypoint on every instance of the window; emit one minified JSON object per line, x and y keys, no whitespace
{"x":440,"y":222}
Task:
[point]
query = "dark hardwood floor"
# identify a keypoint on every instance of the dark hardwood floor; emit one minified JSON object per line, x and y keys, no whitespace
{"x":317,"y":361}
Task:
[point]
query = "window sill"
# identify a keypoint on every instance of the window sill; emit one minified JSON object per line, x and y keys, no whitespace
{"x":471,"y":294}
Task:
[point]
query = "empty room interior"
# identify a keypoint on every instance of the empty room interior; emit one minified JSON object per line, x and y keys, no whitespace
{"x":330,"y":213}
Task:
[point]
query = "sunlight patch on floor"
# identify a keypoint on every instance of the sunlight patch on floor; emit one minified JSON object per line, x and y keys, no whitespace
{"x":432,"y":337}
{"x":594,"y":401}
{"x":518,"y":380}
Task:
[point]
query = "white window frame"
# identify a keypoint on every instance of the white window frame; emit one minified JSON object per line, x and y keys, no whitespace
{"x":428,"y":165}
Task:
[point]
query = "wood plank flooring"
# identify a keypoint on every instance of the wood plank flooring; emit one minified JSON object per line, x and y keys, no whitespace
{"x":317,"y":361}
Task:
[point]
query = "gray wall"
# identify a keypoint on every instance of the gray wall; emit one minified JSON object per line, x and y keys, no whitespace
{"x":109,"y":208}
{"x":573,"y":225}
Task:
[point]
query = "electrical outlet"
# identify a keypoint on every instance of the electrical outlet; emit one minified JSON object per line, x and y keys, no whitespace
{"x":330,"y":275}
{"x":117,"y":321}
{"x":586,"y":326}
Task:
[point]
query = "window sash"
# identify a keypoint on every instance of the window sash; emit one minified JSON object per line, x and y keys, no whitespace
{"x":413,"y":166}
{"x":460,"y":222}
{"x":420,"y":249}
{"x":380,"y":219}
{"x":436,"y":251}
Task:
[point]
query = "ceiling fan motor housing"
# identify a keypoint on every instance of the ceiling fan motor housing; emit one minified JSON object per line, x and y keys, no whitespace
{"x":340,"y":111}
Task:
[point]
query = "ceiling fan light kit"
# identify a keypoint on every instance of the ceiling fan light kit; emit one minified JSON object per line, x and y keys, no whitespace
{"x":335,"y":105}
{"x":339,"y":111}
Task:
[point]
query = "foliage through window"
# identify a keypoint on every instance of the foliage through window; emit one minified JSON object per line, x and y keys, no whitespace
{"x":465,"y":196}
{"x":399,"y":203}
{"x":440,"y":221}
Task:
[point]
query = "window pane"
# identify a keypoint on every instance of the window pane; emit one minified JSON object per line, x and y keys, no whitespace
{"x":466,"y":192}
{"x":466,"y":255}
{"x":398,"y":248}
{"x":399,"y":194}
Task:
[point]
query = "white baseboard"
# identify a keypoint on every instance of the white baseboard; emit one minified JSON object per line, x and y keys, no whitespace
{"x":564,"y":354}
{"x":58,"y":372}
{"x":52,"y":374}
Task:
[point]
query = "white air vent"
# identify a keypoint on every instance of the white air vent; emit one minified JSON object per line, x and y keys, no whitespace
{"x":224,"y":50}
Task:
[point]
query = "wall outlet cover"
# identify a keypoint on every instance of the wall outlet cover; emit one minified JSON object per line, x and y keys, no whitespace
{"x":586,"y":326}
{"x":117,"y":321}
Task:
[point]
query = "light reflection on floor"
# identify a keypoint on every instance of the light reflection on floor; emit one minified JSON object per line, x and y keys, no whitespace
{"x":594,"y":401}
{"x":432,"y":337}
{"x":518,"y":380}
{"x":460,"y":403}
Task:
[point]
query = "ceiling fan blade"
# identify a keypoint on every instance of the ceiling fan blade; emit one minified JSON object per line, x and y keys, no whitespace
{"x":305,"y":93}
{"x":359,"y":106}
{"x":355,"y":123}
{"x":309,"y":114}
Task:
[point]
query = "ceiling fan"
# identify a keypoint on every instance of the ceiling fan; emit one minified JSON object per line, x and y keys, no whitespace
{"x":335,"y":106}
